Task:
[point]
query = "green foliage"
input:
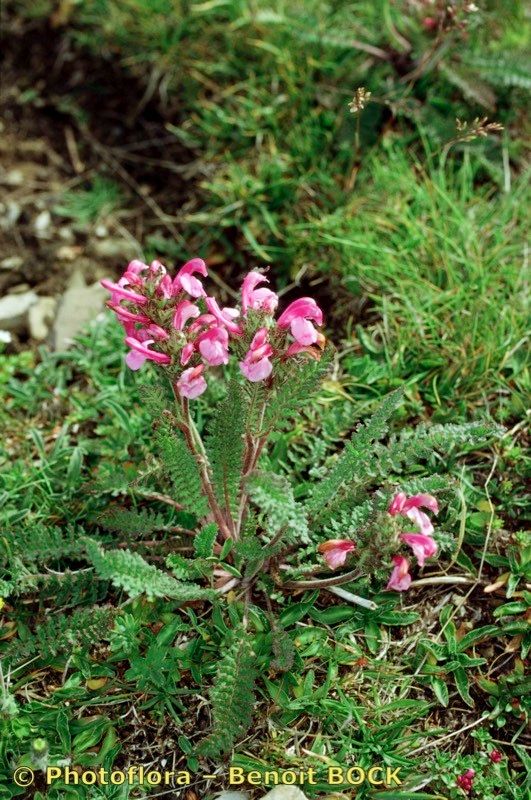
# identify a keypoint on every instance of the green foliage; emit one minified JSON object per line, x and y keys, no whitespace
{"x":62,"y":634}
{"x":231,"y":696}
{"x":180,"y":467}
{"x":225,"y":446}
{"x":204,"y":540}
{"x":352,"y":462}
{"x":282,"y":514}
{"x":131,"y":572}
{"x":451,"y":658}
{"x":132,"y":522}
{"x":92,"y":204}
{"x":293,"y":387}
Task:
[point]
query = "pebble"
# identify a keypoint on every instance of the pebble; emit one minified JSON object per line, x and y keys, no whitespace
{"x":41,"y":224}
{"x":40,"y":317}
{"x":15,"y":177}
{"x":11,"y":262}
{"x":68,"y":252}
{"x":14,"y":310}
{"x":114,"y":248}
{"x":9,"y":214}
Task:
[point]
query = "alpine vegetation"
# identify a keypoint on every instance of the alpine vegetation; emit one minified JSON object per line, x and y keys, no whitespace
{"x":257,"y":538}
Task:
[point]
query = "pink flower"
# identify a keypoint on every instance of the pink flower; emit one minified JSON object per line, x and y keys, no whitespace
{"x":495,"y":756}
{"x":186,"y":353}
{"x":185,"y":278}
{"x":297,"y":317}
{"x":165,"y":287}
{"x":410,"y":507}
{"x":119,"y":292}
{"x":295,"y":348}
{"x":335,"y":551}
{"x":183,"y":312}
{"x":135,"y":267}
{"x":192,"y":383}
{"x":256,"y":365}
{"x":423,"y":546}
{"x":260,"y":299}
{"x":225,"y":316}
{"x":124,"y":315}
{"x":203,"y":321}
{"x":156,"y":332}
{"x":214,"y":346}
{"x":141,"y":352}
{"x":400,"y":579}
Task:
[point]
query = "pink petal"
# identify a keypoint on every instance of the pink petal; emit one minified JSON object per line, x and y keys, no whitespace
{"x":304,"y":307}
{"x":303,"y":331}
{"x":335,"y":551}
{"x":134,"y":360}
{"x":423,"y":546}
{"x":400,"y":579}
{"x":191,"y":384}
{"x":397,"y":503}
{"x":257,"y":371}
{"x":183,"y":312}
{"x":421,"y":519}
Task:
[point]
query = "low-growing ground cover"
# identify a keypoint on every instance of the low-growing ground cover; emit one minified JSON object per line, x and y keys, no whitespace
{"x":415,"y":251}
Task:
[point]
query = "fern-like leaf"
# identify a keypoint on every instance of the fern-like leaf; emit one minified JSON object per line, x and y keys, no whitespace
{"x":225,"y":446}
{"x":273,"y":496}
{"x":351,"y":463}
{"x":61,"y":634}
{"x":232,"y":697}
{"x":132,"y":522}
{"x":181,"y":468}
{"x":129,"y":571}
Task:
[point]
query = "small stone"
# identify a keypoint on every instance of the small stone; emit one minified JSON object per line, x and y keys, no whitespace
{"x":68,"y":252}
{"x":15,"y":177}
{"x":77,"y":308}
{"x":114,"y":248}
{"x":42,"y":224}
{"x":40,"y":317}
{"x":9,"y":214}
{"x":65,"y":233}
{"x":5,"y":337}
{"x":14,"y":309}
{"x":285,"y":793}
{"x":11,"y":262}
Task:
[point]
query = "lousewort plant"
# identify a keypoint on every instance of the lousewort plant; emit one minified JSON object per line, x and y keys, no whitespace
{"x":256,"y":538}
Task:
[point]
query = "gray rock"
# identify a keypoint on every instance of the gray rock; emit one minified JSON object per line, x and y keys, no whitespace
{"x":40,"y":317}
{"x":14,"y":309}
{"x":78,"y":307}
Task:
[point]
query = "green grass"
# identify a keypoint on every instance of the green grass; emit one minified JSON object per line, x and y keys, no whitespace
{"x":444,"y":264}
{"x":362,"y":682}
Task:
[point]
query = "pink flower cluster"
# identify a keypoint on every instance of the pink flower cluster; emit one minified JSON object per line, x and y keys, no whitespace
{"x":335,"y":551}
{"x":173,"y":322}
{"x":421,"y":543}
